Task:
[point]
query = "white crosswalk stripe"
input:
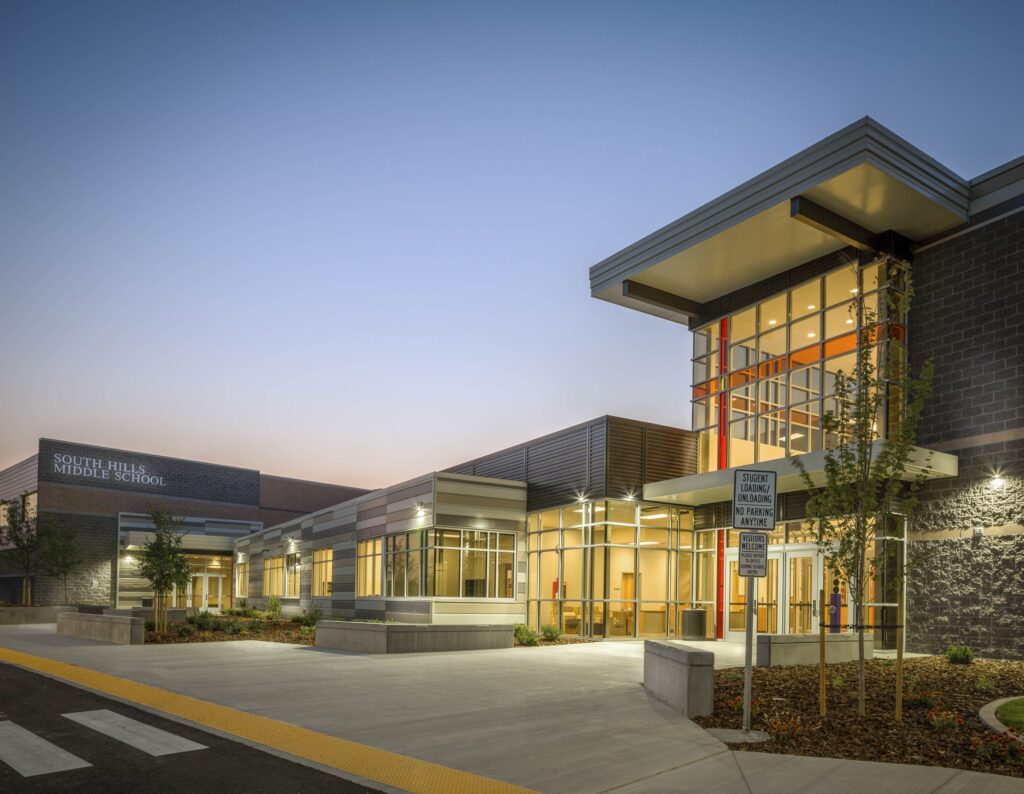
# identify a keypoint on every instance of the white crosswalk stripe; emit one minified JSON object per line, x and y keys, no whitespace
{"x":132,"y":732}
{"x":30,"y":755}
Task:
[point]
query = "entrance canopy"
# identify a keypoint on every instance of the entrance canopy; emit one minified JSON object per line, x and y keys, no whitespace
{"x":716,"y":486}
{"x":850,"y":189}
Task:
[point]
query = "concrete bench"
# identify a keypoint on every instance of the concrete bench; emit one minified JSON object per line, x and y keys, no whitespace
{"x":783,"y":650}
{"x":409,"y":637}
{"x":680,"y":676}
{"x":118,"y":629}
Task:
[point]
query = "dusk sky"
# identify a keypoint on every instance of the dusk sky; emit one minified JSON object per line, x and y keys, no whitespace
{"x":349,"y":241}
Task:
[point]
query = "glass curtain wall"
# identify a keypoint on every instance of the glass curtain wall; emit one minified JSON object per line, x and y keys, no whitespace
{"x":763,"y":377}
{"x":612,"y":568}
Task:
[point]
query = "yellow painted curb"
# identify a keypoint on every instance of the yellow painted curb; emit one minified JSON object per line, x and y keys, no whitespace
{"x":382,"y":766}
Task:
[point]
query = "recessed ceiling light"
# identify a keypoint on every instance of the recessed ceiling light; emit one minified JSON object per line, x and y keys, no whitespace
{"x":854,"y":290}
{"x":810,"y":334}
{"x":771,"y":322}
{"x":810,"y":306}
{"x":849,"y":322}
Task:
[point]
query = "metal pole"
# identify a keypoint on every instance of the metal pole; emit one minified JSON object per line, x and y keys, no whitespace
{"x":899,"y":656}
{"x":821,"y":654}
{"x":749,"y":654}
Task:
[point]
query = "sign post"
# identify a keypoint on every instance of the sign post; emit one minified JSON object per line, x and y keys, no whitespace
{"x":753,"y":508}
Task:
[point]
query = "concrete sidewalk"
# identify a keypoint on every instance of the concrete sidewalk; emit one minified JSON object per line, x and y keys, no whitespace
{"x":555,"y":719}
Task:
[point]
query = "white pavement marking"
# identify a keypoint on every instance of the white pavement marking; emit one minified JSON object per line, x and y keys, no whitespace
{"x":30,"y":755}
{"x":137,"y":734}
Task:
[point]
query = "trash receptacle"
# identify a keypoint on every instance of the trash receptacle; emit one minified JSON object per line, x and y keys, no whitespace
{"x":695,"y":622}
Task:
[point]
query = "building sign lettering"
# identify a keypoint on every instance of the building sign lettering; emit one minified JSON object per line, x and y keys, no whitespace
{"x":104,"y":469}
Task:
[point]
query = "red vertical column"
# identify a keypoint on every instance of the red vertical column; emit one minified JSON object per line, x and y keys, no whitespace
{"x":721,"y":583}
{"x":723,"y":458}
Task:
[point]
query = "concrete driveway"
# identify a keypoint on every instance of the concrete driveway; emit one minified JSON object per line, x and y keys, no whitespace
{"x":554,"y":719}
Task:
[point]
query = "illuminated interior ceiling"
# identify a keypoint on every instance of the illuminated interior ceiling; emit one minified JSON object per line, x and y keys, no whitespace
{"x":863,"y":173}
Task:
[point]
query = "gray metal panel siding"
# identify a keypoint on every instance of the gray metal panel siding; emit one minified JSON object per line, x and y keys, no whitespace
{"x":639,"y":453}
{"x":20,"y":478}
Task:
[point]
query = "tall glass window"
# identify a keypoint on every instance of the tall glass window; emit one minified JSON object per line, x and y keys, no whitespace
{"x":610,"y":568}
{"x":323,"y":572}
{"x":242,"y":580}
{"x":763,"y":377}
{"x":273,"y":576}
{"x":368,"y":563}
{"x":293,"y":569}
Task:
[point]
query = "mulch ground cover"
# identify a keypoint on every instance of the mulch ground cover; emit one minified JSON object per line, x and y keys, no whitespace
{"x":243,"y":629}
{"x":940,"y":725}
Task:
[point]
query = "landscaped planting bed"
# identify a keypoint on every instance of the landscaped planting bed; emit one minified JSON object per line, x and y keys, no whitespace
{"x":940,"y":725}
{"x":236,"y":625}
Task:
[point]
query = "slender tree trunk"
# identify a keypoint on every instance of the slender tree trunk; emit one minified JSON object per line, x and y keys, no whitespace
{"x":861,"y":592}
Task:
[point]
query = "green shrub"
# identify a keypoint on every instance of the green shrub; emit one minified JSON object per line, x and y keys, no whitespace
{"x":273,"y":605}
{"x":204,"y":620}
{"x":313,"y":616}
{"x":920,"y":700}
{"x":218,"y":625}
{"x":150,"y":625}
{"x":243,"y":602}
{"x":983,"y":684}
{"x":960,"y":654}
{"x":296,"y":618}
{"x":307,"y":631}
{"x":186,"y":630}
{"x":256,"y":627}
{"x":524,"y":635}
{"x":236,"y":627}
{"x":942,"y":720}
{"x":551,"y":633}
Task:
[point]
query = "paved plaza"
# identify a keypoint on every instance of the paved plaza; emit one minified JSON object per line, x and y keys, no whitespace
{"x":571,"y":719}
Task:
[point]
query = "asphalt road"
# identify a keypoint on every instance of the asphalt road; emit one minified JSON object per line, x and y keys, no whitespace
{"x":33,"y":705}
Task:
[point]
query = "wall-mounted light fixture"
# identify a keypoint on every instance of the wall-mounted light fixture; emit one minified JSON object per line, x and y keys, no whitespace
{"x":996,"y":483}
{"x":977,"y":532}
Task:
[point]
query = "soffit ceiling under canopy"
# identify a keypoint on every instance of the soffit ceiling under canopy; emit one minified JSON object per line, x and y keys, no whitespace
{"x":864,"y":173}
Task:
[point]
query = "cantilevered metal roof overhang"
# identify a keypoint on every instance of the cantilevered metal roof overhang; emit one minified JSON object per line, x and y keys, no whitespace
{"x":864,"y":175}
{"x":716,"y":486}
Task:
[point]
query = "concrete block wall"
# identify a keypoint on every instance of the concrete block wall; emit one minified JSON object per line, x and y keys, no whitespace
{"x":968,"y":318}
{"x":93,"y":581}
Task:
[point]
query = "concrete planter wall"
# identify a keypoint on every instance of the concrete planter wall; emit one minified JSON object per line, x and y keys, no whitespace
{"x":409,"y":637}
{"x":682,"y":677}
{"x":17,"y":615}
{"x":117,"y":629}
{"x":174,"y":615}
{"x":782,"y":650}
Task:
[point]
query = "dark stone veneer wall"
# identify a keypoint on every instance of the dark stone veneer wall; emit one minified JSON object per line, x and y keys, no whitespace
{"x":968,"y":318}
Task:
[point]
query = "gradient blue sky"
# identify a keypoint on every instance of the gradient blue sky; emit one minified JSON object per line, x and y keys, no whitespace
{"x":350,"y":241}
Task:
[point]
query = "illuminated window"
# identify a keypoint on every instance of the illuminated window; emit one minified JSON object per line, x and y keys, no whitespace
{"x":293,"y":566}
{"x":368,"y":565}
{"x":273,"y":577}
{"x":783,"y":359}
{"x":242,"y":580}
{"x":323,"y":572}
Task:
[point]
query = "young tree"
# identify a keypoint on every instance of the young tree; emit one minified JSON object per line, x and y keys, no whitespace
{"x":22,"y":540}
{"x":59,"y":552}
{"x":163,"y":562}
{"x":871,"y":436}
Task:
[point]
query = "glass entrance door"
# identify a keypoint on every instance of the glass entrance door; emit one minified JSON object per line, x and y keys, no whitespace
{"x":803,"y":585}
{"x":208,"y":591}
{"x":766,"y":614}
{"x":787,"y":598}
